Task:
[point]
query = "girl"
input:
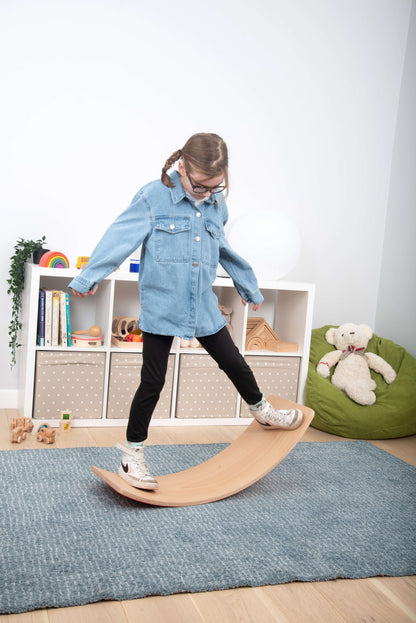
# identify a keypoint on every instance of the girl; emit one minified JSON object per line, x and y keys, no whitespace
{"x":179,"y":221}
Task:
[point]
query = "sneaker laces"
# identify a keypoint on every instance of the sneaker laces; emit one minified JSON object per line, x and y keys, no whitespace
{"x":282,"y":416}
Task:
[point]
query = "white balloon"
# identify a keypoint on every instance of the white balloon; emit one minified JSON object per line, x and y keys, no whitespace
{"x":268,"y":240}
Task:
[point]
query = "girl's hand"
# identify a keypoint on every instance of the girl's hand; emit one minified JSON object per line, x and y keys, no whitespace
{"x":255,"y":307}
{"x":90,"y":293}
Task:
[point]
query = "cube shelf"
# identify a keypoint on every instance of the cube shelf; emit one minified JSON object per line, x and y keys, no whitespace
{"x":98,"y":383}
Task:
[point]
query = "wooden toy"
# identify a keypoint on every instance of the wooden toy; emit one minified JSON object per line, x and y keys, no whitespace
{"x":82,"y":261}
{"x":245,"y":461}
{"x":226,"y":312}
{"x":45,"y":433}
{"x":125,"y":332}
{"x":18,"y":435}
{"x":19,"y":427}
{"x":189,"y":343}
{"x":88,"y":338}
{"x":24,"y":422}
{"x":54,"y":259}
{"x":260,"y":336}
{"x":65,"y":423}
{"x":94,"y":331}
{"x":122,"y":325}
{"x":86,"y":341}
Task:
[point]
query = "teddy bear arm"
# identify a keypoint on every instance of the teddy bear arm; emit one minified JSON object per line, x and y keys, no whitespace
{"x":327,"y":361}
{"x":378,"y":364}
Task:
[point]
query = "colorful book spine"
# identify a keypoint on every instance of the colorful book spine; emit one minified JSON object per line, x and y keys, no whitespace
{"x":56,"y":295}
{"x":63,"y":335}
{"x":41,"y":319}
{"x":48,"y":317}
{"x":68,"y":319}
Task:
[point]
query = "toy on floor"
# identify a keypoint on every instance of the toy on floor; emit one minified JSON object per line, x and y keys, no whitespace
{"x":353,"y":364}
{"x":45,"y":434}
{"x":19,"y":427}
{"x":25,"y":422}
{"x":65,"y":423}
{"x":17,"y":435}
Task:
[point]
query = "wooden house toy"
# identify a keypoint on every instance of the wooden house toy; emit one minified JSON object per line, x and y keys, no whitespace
{"x":260,"y":336}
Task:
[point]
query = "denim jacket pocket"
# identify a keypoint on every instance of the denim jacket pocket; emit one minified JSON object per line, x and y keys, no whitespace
{"x":172,"y":239}
{"x":211,"y":244}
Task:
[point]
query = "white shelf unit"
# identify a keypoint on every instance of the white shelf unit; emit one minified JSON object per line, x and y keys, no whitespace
{"x":287,"y":308}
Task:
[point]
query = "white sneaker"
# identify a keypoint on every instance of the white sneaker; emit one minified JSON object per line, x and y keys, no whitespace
{"x":287,"y":419}
{"x":134,"y":470}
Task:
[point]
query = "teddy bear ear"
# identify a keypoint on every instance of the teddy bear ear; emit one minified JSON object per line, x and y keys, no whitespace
{"x":368,"y":332}
{"x":330,"y":336}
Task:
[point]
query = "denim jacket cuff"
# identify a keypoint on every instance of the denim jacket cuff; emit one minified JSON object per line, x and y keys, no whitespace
{"x":81,"y":285}
{"x":255,"y":297}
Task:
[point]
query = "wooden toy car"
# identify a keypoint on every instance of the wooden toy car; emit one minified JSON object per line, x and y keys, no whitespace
{"x":45,"y":434}
{"x":25,"y":422}
{"x":17,"y":435}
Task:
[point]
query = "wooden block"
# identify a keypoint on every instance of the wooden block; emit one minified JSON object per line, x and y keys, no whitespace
{"x":260,"y":336}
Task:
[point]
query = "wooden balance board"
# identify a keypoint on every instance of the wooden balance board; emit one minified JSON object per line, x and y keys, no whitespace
{"x":245,"y":461}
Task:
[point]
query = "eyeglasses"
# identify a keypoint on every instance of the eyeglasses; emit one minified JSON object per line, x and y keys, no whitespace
{"x":200,"y":189}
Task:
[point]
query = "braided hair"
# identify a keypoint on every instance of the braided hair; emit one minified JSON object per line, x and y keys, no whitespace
{"x":204,"y":153}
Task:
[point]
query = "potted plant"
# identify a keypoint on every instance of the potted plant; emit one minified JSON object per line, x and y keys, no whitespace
{"x":23,"y":251}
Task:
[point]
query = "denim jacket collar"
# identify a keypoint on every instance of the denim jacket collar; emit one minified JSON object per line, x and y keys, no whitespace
{"x":178,"y":193}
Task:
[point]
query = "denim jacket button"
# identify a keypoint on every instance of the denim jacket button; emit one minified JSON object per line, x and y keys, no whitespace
{"x":197,"y":238}
{"x":198,"y":214}
{"x":195,"y":264}
{"x":172,"y":226}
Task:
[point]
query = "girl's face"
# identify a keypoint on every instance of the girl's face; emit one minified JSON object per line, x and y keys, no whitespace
{"x":197,"y":184}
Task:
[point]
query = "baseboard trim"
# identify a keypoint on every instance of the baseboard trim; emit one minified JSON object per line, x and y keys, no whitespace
{"x":9,"y":398}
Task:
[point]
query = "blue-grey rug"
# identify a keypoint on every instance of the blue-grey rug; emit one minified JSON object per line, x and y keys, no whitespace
{"x":329,"y":510}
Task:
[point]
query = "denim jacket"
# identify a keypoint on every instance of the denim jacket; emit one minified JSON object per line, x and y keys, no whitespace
{"x":182,"y":245}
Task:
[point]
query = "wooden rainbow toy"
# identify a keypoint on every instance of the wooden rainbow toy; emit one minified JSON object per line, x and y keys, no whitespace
{"x":54,"y":259}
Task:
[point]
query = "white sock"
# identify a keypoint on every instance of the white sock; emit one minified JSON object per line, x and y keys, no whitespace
{"x":134,"y":444}
{"x":258,"y":405}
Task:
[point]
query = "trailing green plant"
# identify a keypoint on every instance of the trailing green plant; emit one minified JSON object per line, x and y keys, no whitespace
{"x":23,"y":251}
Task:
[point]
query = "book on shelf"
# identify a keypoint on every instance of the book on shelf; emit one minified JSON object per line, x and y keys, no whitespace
{"x":48,"y":317}
{"x":54,"y":319}
{"x":41,"y":319}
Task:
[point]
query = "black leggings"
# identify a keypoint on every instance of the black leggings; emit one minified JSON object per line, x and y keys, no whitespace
{"x":156,"y":350}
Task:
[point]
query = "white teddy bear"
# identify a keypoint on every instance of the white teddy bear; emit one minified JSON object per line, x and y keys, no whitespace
{"x":352,"y":373}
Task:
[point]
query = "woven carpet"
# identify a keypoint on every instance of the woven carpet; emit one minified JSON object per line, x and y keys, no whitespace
{"x":329,"y":510}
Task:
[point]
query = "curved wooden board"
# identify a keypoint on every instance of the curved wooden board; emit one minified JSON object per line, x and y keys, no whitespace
{"x":245,"y":461}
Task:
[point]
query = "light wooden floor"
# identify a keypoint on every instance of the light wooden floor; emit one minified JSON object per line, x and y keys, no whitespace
{"x":375,"y":600}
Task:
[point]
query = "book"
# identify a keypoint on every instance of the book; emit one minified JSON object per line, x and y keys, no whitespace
{"x":54,"y":322}
{"x":41,"y":319}
{"x":68,"y":319}
{"x":48,"y":317}
{"x":56,"y":296}
{"x":63,"y":332}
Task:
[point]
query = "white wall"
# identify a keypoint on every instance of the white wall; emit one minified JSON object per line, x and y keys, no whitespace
{"x":97,"y":93}
{"x":396,"y":303}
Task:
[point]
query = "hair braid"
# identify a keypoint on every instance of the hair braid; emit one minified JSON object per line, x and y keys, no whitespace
{"x":205,"y":153}
{"x":168,"y":164}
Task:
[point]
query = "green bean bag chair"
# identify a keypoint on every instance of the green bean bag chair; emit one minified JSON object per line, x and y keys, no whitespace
{"x":394,"y":412}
